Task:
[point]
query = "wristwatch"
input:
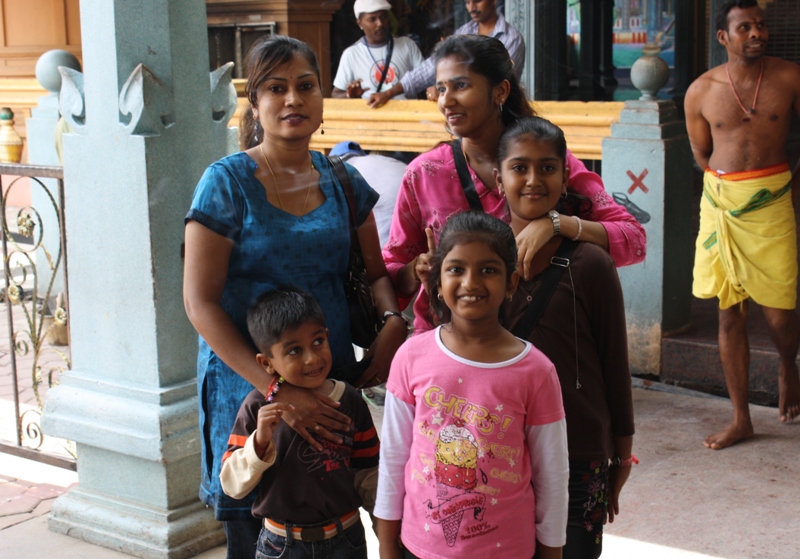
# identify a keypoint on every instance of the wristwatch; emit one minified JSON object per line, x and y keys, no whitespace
{"x":624,"y":463}
{"x":387,"y":314}
{"x":554,"y":215}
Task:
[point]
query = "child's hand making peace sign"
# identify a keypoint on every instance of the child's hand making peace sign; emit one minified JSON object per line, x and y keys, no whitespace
{"x":422,"y":263}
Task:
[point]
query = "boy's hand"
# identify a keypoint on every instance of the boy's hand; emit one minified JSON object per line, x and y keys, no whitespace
{"x":268,"y":418}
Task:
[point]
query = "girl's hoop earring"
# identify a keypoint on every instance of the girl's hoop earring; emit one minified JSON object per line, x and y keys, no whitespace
{"x":439,"y":296}
{"x":564,"y":195}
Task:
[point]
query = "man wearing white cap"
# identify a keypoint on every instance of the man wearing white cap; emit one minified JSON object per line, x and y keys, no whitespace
{"x":377,"y":61}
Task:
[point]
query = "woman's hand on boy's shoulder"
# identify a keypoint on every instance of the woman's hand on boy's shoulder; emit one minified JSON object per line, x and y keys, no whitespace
{"x":313,"y":414}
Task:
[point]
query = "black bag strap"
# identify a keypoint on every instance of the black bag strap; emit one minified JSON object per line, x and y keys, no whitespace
{"x":463,"y":176}
{"x":385,"y":71}
{"x":344,"y":179}
{"x":550,"y":279}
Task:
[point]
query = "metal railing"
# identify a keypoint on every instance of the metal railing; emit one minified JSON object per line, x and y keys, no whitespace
{"x":36,"y":295}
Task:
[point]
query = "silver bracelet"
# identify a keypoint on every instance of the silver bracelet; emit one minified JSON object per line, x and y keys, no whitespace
{"x":580,"y":229}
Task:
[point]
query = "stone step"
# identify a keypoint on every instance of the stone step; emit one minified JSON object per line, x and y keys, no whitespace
{"x":691,"y":358}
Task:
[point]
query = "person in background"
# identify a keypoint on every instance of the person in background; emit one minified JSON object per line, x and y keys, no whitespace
{"x":747,"y":244}
{"x":382,"y":173}
{"x":485,"y":21}
{"x":377,"y":61}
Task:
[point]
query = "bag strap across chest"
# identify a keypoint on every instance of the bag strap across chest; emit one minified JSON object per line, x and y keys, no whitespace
{"x":464,"y":177}
{"x":550,"y":278}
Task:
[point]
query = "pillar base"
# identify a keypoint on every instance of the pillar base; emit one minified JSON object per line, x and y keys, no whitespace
{"x":134,"y":529}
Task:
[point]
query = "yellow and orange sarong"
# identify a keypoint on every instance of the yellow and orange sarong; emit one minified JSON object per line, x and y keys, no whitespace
{"x":747,"y":245}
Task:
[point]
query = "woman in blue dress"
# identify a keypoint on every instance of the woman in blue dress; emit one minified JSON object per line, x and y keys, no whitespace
{"x":271,"y":215}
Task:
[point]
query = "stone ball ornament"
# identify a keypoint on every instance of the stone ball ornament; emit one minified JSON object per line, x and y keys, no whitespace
{"x":648,"y":75}
{"x":47,"y":68}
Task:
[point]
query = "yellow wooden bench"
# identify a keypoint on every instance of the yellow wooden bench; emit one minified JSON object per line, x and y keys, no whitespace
{"x":418,"y":125}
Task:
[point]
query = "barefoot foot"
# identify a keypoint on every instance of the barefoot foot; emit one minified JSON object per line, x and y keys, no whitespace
{"x":731,"y":434}
{"x":789,"y":396}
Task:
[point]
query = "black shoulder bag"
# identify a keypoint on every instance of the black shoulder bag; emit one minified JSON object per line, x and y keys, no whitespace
{"x":364,"y":323}
{"x":550,"y":278}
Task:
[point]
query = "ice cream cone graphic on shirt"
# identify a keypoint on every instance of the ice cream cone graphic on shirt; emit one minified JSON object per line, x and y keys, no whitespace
{"x":456,"y":473}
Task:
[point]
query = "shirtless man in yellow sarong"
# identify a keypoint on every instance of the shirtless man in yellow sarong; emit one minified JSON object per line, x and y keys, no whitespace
{"x":738,"y":116}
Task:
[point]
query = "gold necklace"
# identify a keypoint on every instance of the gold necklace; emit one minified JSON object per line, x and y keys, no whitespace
{"x":275,"y":182}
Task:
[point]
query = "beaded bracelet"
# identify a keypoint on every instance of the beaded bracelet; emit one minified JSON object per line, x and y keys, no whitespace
{"x":274,"y":386}
{"x":580,"y":229}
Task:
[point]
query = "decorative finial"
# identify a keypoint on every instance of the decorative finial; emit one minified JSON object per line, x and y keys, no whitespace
{"x":648,"y":75}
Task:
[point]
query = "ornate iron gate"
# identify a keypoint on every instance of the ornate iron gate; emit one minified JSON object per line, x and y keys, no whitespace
{"x":36,"y":350}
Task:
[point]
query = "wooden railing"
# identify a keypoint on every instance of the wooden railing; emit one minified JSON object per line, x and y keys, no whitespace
{"x":419,"y":126}
{"x":399,"y":125}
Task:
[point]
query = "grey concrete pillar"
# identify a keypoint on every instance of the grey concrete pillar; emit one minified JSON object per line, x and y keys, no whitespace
{"x":543,"y":25}
{"x":148,"y":119}
{"x":520,"y":14}
{"x":684,"y":49}
{"x":589,"y":74}
{"x":609,"y":82}
{"x":647,"y":167}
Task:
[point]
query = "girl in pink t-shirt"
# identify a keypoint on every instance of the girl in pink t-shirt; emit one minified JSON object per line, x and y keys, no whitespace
{"x":474,"y":449}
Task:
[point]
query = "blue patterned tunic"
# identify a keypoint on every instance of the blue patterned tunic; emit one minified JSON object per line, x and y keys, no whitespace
{"x":271,"y":248}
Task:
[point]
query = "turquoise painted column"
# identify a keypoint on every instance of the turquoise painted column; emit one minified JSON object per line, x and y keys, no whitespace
{"x":42,"y":151}
{"x":647,"y":167}
{"x":148,"y":119}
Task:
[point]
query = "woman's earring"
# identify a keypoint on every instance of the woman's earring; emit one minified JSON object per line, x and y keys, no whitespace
{"x":322,"y":127}
{"x":564,"y":194}
{"x":500,"y":108}
{"x":257,"y":128}
{"x":510,"y":297}
{"x":439,"y":296}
